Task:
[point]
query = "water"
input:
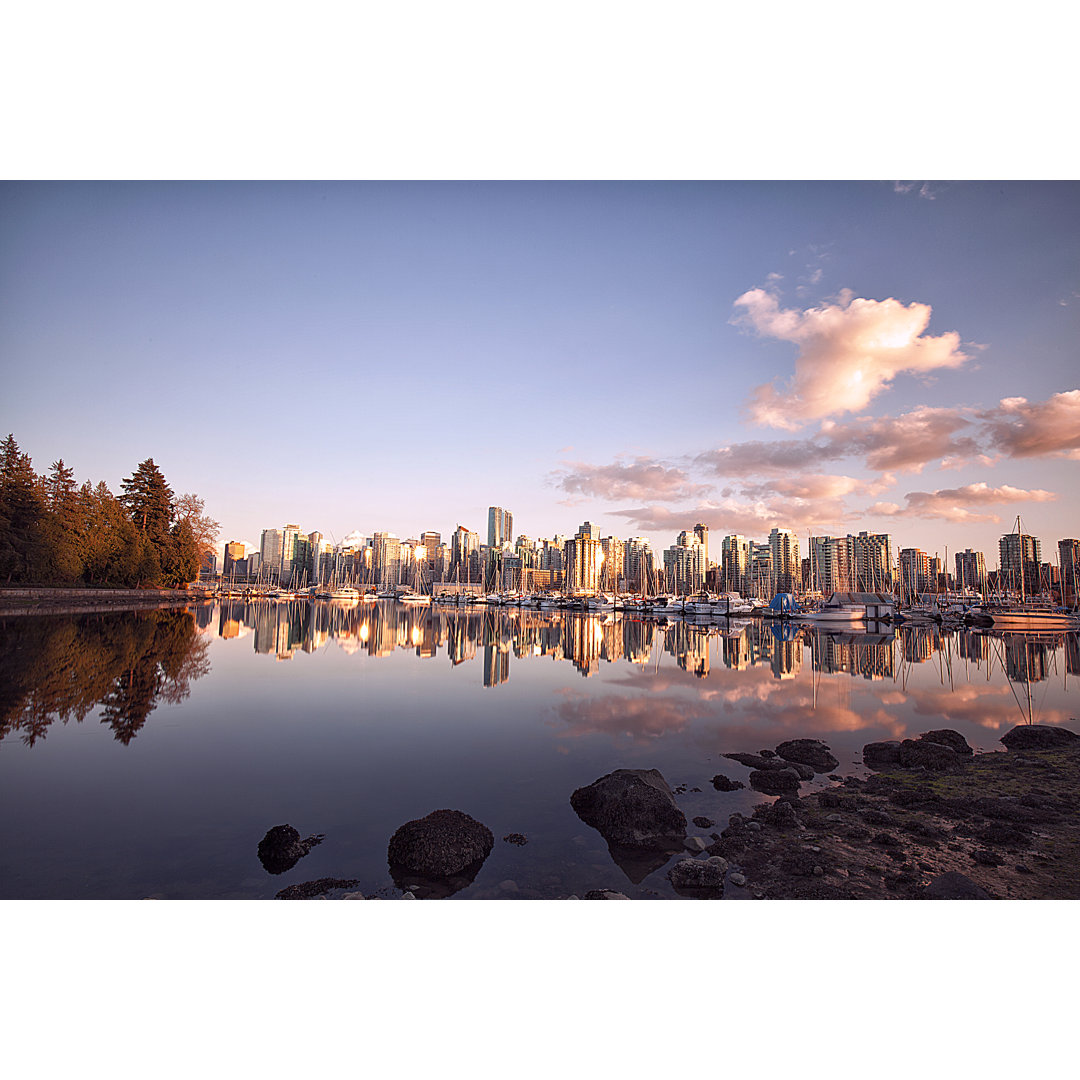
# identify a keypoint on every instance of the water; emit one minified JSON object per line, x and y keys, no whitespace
{"x":146,"y":754}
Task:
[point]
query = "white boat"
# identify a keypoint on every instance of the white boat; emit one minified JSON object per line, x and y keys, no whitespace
{"x":837,"y":614}
{"x":1026,"y":617}
{"x":413,"y":598}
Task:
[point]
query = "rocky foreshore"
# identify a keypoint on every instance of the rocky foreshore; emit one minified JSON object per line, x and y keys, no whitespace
{"x":65,"y":601}
{"x":932,"y":821}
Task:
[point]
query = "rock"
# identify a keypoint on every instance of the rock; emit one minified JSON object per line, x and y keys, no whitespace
{"x":885,"y":840}
{"x":315,"y":890}
{"x":508,"y":886}
{"x":953,"y":886}
{"x":632,"y":808}
{"x":603,"y":894}
{"x":986,"y":858}
{"x":774,"y":781}
{"x":695,"y":843}
{"x":947,"y":737}
{"x":918,"y":753}
{"x":717,"y":860}
{"x":281,"y":848}
{"x":353,"y":896}
{"x":804,"y":772}
{"x":751,"y":761}
{"x":875,"y":817}
{"x":880,"y":755}
{"x":439,"y":854}
{"x":737,"y":879}
{"x":835,"y":817}
{"x":408,"y":896}
{"x":1038,"y":737}
{"x":818,"y":871}
{"x":516,"y":838}
{"x":755,"y":826}
{"x":698,"y":876}
{"x":781,"y":815}
{"x":828,"y":800}
{"x":812,"y":752}
{"x":767,"y":753}
{"x":704,"y":822}
{"x":1004,"y":832}
{"x":722,"y":783}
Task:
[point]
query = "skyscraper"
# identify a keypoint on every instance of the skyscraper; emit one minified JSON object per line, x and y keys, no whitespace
{"x":1069,"y":562}
{"x":971,"y":570}
{"x":500,"y":526}
{"x":582,"y":560}
{"x":735,"y":564}
{"x":234,"y":552}
{"x":1021,"y":554}
{"x":289,"y":536}
{"x":270,"y":550}
{"x":465,"y":555}
{"x":784,"y":548}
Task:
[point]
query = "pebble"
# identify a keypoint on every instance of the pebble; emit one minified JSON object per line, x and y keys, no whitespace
{"x":818,"y":872}
{"x":717,"y":860}
{"x":737,"y":879}
{"x":407,"y":896}
{"x":352,"y":896}
{"x":695,"y":843}
{"x":835,"y":817}
{"x":754,"y":826}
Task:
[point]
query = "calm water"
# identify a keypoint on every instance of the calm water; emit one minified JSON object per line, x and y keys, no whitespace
{"x":146,"y":754}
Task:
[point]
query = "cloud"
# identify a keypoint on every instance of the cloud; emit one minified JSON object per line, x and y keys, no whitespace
{"x":642,"y":478}
{"x":905,"y":187}
{"x":902,"y":187}
{"x":849,"y":352}
{"x":733,"y":515}
{"x":905,"y":443}
{"x":1020,"y":428}
{"x":960,"y":504}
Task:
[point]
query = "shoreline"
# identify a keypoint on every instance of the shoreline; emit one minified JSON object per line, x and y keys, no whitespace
{"x":43,"y":600}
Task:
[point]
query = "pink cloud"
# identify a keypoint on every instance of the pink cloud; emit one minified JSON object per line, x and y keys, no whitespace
{"x":1021,"y":428}
{"x":642,"y":478}
{"x":960,"y":504}
{"x":849,"y":352}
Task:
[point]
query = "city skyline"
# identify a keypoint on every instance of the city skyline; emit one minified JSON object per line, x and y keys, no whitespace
{"x":896,"y":357}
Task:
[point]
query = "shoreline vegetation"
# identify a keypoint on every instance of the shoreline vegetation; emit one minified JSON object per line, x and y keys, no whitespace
{"x":55,"y":533}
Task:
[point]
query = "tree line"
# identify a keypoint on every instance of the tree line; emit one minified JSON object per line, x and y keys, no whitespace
{"x":54,"y":532}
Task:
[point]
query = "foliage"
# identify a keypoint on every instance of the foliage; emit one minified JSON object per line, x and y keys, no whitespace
{"x":56,"y":533}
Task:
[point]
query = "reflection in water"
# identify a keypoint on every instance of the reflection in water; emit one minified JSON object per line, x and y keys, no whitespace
{"x":62,"y":667}
{"x":590,"y":640}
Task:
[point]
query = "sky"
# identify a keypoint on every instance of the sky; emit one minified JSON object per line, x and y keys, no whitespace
{"x":896,"y":356}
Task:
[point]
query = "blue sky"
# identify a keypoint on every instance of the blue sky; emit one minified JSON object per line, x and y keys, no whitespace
{"x":362,"y":356}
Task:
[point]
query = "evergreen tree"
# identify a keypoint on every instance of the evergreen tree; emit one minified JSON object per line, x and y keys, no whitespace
{"x":148,"y":499}
{"x":22,"y":509}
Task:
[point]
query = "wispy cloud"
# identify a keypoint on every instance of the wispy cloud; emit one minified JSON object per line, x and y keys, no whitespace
{"x":848,"y":353}
{"x":926,"y":189}
{"x":641,"y":478}
{"x":961,"y":504}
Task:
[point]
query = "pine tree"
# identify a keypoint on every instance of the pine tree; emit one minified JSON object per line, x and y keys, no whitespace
{"x":22,"y":509}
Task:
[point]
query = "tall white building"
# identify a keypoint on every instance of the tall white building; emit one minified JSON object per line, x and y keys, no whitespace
{"x":735,"y":564}
{"x":500,"y":527}
{"x":784,"y":548}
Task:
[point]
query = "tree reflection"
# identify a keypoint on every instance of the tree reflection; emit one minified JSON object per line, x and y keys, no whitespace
{"x":63,"y":667}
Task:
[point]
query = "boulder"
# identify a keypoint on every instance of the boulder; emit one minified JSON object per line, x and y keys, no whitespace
{"x":756,"y":761}
{"x":281,"y":848}
{"x":444,"y":843}
{"x":804,"y":772}
{"x":953,"y":886}
{"x":632,"y":808}
{"x":812,"y":752}
{"x":1039,"y":737}
{"x":881,"y":755}
{"x":695,"y":843}
{"x":311,"y":890}
{"x":947,"y":737}
{"x":781,"y":815}
{"x":919,"y":753}
{"x":603,"y":894}
{"x":774,"y":781}
{"x":699,"y":876}
{"x":722,"y":783}
{"x":704,"y":822}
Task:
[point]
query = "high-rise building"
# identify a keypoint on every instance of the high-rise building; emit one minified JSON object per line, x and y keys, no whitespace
{"x":1021,"y":554}
{"x":971,"y":570}
{"x":583,"y":559}
{"x":701,"y":532}
{"x":612,"y":570}
{"x":684,"y":564}
{"x":784,"y":548}
{"x":431,"y":542}
{"x":1069,"y":564}
{"x":914,"y":572}
{"x":639,"y":566}
{"x":833,"y":563}
{"x":289,"y":536}
{"x":386,"y":558}
{"x":873,"y":562}
{"x":465,"y":556}
{"x":735,"y":564}
{"x":234,"y":552}
{"x":500,"y":526}
{"x":270,"y":551}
